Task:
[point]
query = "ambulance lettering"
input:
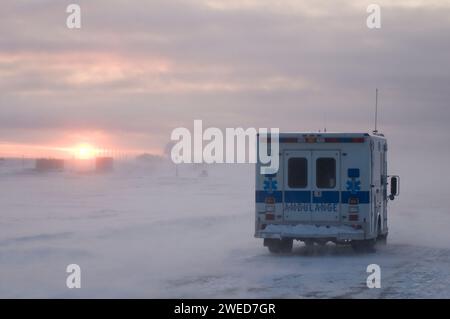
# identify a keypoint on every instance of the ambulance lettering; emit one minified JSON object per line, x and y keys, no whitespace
{"x":310,"y":208}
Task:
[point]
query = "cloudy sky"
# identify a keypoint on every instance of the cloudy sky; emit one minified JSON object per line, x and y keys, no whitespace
{"x":138,"y":69}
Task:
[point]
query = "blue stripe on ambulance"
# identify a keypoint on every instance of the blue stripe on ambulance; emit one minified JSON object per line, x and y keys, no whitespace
{"x":305,"y":197}
{"x":327,"y":197}
{"x":297,"y":196}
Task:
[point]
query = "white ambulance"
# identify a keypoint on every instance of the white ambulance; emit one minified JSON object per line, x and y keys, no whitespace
{"x":330,"y":187}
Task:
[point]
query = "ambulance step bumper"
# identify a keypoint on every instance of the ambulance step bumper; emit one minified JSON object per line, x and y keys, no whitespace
{"x":305,"y":231}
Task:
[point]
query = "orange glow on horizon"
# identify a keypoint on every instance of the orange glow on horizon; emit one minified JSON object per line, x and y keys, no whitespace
{"x":81,"y":150}
{"x":85,"y":151}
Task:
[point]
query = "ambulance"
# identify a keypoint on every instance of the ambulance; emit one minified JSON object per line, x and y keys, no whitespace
{"x":330,"y":187}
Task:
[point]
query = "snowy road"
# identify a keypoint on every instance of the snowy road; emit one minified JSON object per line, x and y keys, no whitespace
{"x":138,"y":233}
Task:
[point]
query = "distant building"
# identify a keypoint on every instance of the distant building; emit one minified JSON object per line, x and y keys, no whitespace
{"x":149,"y":158}
{"x":49,"y":164}
{"x":104,"y":164}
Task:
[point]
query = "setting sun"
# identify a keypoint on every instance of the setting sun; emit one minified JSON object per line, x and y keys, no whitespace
{"x":85,"y":151}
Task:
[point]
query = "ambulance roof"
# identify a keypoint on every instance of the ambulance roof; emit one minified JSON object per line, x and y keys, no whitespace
{"x":330,"y":134}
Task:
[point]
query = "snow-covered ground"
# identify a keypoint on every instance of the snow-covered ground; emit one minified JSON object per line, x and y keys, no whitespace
{"x":142,"y":232}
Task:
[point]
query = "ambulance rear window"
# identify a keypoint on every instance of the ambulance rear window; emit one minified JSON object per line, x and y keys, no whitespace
{"x":326,"y":172}
{"x":297,"y":172}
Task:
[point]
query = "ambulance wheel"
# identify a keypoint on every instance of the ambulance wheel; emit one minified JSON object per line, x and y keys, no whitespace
{"x":309,"y":242}
{"x":364,"y":246}
{"x":382,"y":239}
{"x":321,"y":242}
{"x":277,"y":246}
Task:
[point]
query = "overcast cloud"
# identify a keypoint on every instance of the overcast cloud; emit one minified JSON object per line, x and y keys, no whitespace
{"x":138,"y":69}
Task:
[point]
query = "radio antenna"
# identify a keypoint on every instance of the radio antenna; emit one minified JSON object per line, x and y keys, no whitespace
{"x":375,"y":131}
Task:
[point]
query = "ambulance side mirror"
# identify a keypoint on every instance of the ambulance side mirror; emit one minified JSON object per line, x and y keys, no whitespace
{"x":395,"y":187}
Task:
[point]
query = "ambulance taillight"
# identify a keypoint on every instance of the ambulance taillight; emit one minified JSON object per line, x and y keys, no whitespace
{"x":270,"y":204}
{"x":353,"y":209}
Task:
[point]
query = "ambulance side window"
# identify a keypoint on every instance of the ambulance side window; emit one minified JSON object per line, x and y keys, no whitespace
{"x":326,"y":172}
{"x":297,"y":172}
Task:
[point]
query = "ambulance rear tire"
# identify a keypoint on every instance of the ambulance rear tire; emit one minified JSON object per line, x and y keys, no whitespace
{"x":322,"y":242}
{"x":309,"y":242}
{"x":382,"y":239}
{"x":277,"y":246}
{"x":287,"y":245}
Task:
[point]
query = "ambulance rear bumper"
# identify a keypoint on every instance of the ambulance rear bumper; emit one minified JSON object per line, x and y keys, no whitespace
{"x":305,"y":231}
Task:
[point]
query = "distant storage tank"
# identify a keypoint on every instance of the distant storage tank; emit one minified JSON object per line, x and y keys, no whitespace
{"x":104,"y":164}
{"x":49,"y":164}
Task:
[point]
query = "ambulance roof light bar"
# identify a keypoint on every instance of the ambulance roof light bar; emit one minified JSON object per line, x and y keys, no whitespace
{"x":315,"y":139}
